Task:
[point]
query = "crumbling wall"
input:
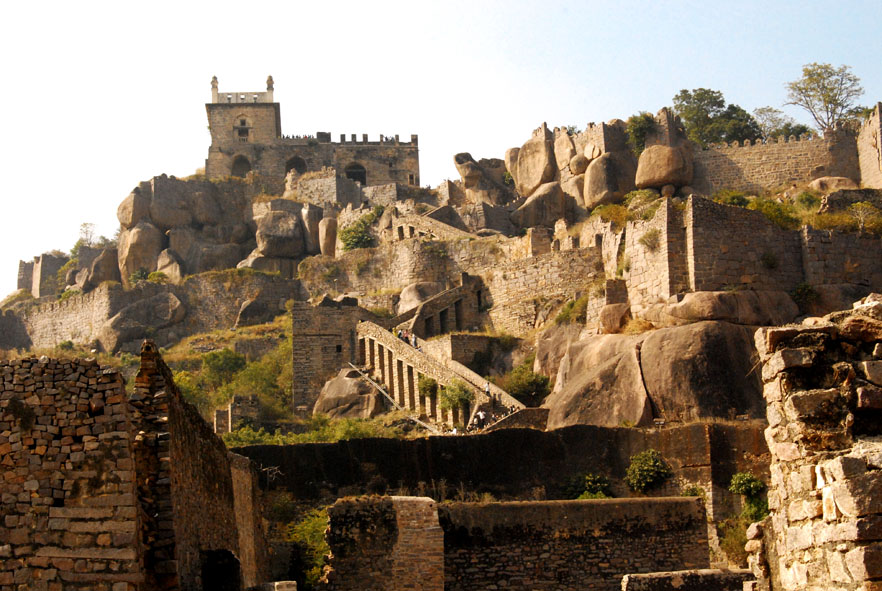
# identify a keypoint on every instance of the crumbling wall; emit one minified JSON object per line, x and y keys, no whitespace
{"x":753,"y":167}
{"x":822,"y":388}
{"x":70,"y":515}
{"x":382,"y":543}
{"x":831,"y":258}
{"x":529,"y":462}
{"x":869,"y":146}
{"x":385,"y":544}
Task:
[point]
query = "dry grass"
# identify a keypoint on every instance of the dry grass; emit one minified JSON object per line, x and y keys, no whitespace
{"x":637,"y":326}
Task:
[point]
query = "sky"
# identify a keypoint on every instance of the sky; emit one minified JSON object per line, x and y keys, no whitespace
{"x":98,"y":96}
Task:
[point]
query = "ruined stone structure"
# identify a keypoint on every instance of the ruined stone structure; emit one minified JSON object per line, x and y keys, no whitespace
{"x":870,"y":150}
{"x":397,"y":543}
{"x":822,"y":387}
{"x":239,"y":409}
{"x":246,"y":136}
{"x":105,"y":491}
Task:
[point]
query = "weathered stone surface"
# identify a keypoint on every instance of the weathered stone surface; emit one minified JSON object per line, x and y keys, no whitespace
{"x":579,"y":164}
{"x":133,"y":209}
{"x":215,"y":257}
{"x":613,"y":318}
{"x":551,"y":346}
{"x":563,"y":150}
{"x":536,"y":164}
{"x":859,"y":496}
{"x":328,"y":237}
{"x":170,"y":209}
{"x":138,"y":249}
{"x":169,"y":264}
{"x":511,"y":161}
{"x":663,"y":165}
{"x":132,"y":322}
{"x":204,"y":208}
{"x":861,"y":328}
{"x":591,"y":151}
{"x":574,"y":187}
{"x":182,"y":242}
{"x":348,"y":396}
{"x":748,"y":307}
{"x":258,"y":262}
{"x":544,"y":207}
{"x":828,"y":184}
{"x":280,"y":234}
{"x":104,"y":268}
{"x":608,"y":178}
{"x":311,"y":215}
{"x":416,"y":293}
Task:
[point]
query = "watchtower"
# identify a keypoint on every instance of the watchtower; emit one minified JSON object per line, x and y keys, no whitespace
{"x":238,"y":121}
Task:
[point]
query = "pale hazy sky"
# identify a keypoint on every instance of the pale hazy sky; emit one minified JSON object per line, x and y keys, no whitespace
{"x":99,"y":96}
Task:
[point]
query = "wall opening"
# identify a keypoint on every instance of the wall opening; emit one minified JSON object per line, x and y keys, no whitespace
{"x":297,"y":164}
{"x":442,"y":321}
{"x":220,"y":571}
{"x":356,"y":172}
{"x":241,"y":166}
{"x":457,"y":312}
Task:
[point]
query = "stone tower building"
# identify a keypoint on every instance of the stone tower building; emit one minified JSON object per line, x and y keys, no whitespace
{"x":246,"y":135}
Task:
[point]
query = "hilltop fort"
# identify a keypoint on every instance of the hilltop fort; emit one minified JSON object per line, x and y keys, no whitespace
{"x":628,"y":283}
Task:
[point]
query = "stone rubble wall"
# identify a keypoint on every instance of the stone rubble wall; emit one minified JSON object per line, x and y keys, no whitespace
{"x":824,"y":403}
{"x":689,"y":580}
{"x":753,"y":167}
{"x":382,"y":543}
{"x":869,"y":146}
{"x":703,"y":454}
{"x":70,"y":514}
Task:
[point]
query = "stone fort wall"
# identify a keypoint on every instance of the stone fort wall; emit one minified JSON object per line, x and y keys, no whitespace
{"x":706,"y":455}
{"x":757,"y":166}
{"x":870,"y":150}
{"x":567,"y":545}
{"x":104,"y":491}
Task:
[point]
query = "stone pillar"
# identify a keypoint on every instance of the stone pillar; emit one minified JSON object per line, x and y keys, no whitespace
{"x":381,"y":363}
{"x":411,"y":391}
{"x":390,"y":360}
{"x":399,"y":385}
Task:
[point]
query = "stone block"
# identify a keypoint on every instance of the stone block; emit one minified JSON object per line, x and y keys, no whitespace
{"x":873,"y":371}
{"x":865,"y":562}
{"x":859,"y":496}
{"x":869,"y":397}
{"x":845,"y":467}
{"x":787,"y":359}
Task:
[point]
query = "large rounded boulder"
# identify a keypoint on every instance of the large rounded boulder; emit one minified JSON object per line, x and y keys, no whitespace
{"x":347,"y":396}
{"x":544,"y":207}
{"x":536,"y":164}
{"x":664,"y":165}
{"x":608,"y":178}
{"x":416,"y":293}
{"x":139,"y":248}
{"x":280,"y":234}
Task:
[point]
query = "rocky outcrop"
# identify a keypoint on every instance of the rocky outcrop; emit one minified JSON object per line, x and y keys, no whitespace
{"x":416,"y":293}
{"x":348,"y":397}
{"x":133,"y":209}
{"x":280,"y":234}
{"x":545,"y":206}
{"x":328,"y":237}
{"x":671,"y":373}
{"x":828,"y":184}
{"x":482,"y":181}
{"x":664,"y":165}
{"x":608,"y":178}
{"x":105,"y":267}
{"x":748,"y":307}
{"x":136,"y":321}
{"x":139,"y":249}
{"x":535,"y":162}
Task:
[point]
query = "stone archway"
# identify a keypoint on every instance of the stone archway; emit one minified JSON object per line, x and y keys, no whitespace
{"x":356,"y":172}
{"x":241,"y":167}
{"x":220,"y":571}
{"x":295,"y":163}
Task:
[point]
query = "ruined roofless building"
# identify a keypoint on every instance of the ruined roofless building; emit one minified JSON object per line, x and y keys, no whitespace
{"x":246,"y":135}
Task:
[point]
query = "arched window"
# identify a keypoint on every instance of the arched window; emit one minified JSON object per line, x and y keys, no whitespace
{"x":296,"y":163}
{"x":356,"y":172}
{"x":241,"y":166}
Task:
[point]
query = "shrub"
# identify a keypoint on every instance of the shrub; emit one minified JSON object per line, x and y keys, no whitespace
{"x":427,"y":386}
{"x":358,"y":233}
{"x":22,"y":295}
{"x":218,"y":367}
{"x":507,"y":179}
{"x":779,"y":214}
{"x":692,"y":490}
{"x":730,"y":197}
{"x":769,"y":260}
{"x":61,"y":276}
{"x":733,"y":536}
{"x":638,"y":127}
{"x":808,"y":201}
{"x":139,"y":275}
{"x":804,"y":295}
{"x":617,"y":214}
{"x":650,"y":239}
{"x":637,"y":326}
{"x":456,"y":395}
{"x":309,"y":536}
{"x":66,"y":345}
{"x":648,"y":470}
{"x":157,"y":277}
{"x":573,"y":311}
{"x":68,"y":293}
{"x":745,"y":483}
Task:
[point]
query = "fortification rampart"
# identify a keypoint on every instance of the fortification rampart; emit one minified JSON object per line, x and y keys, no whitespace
{"x":534,"y":462}
{"x":757,"y":166}
{"x":105,"y":491}
{"x":568,"y":545}
{"x":869,"y":146}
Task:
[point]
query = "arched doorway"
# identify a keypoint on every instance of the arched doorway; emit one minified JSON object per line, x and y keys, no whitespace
{"x":241,"y":166}
{"x":356,"y":172}
{"x":296,"y":163}
{"x":220,"y":571}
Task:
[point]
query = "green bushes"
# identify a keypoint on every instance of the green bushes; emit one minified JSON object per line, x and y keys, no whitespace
{"x":358,"y":233}
{"x":756,"y":506}
{"x":157,"y":277}
{"x":617,"y":214}
{"x":573,"y":311}
{"x":780,"y":214}
{"x":638,"y":127}
{"x":308,"y":535}
{"x":457,"y":394}
{"x":528,"y":387}
{"x":731,"y":197}
{"x":318,"y":429}
{"x":427,"y":386}
{"x":139,"y":275}
{"x":650,"y":239}
{"x":648,"y":470}
{"x":804,"y":295}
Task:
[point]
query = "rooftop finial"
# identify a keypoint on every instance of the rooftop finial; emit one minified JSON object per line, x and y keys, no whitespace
{"x":214,"y":82}
{"x":269,"y":82}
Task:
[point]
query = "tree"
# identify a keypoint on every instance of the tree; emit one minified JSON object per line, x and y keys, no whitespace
{"x":774,"y":123}
{"x":709,"y":120}
{"x":829,"y":94}
{"x":456,"y":395}
{"x":638,"y":127}
{"x":863,"y":212}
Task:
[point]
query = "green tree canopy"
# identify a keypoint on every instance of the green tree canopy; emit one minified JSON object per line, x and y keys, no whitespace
{"x":709,"y":120}
{"x":774,"y":124}
{"x":828,"y":94}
